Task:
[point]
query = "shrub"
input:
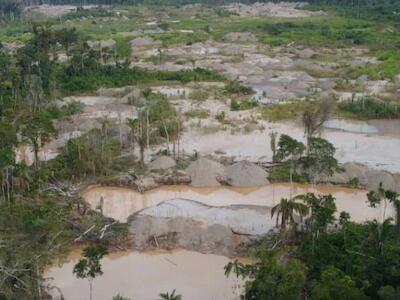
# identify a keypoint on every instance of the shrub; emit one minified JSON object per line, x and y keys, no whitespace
{"x":243,"y":105}
{"x":369,"y":108}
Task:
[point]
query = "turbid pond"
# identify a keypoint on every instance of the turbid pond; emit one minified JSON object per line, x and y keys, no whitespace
{"x":120,"y":203}
{"x":196,"y":276}
{"x":144,"y":275}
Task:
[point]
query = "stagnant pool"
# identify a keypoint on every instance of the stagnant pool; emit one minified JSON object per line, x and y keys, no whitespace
{"x":196,"y":276}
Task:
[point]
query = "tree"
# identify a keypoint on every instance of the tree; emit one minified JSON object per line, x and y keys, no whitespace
{"x":320,"y":160}
{"x":289,"y":148}
{"x":289,"y":151}
{"x":133,"y":126}
{"x":314,"y":117}
{"x":376,"y":197}
{"x":379,"y":234}
{"x":172,"y":296}
{"x":322,"y":209}
{"x":38,"y":130}
{"x":8,"y":140}
{"x":272,"y":136}
{"x":286,"y":209}
{"x":276,"y":280}
{"x":335,"y":285}
{"x":66,"y":37}
{"x":89,"y":267}
{"x":238,"y":268}
{"x":388,"y":292}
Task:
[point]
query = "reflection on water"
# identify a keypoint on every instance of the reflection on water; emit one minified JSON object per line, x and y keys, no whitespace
{"x":144,"y":275}
{"x":119,"y":203}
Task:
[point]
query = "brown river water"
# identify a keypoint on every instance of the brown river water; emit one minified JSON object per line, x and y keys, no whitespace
{"x":120,"y":203}
{"x":196,"y":276}
{"x":143,"y":276}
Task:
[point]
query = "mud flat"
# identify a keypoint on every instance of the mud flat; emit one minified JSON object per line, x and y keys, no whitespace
{"x":144,"y":275}
{"x":377,"y":151}
{"x":351,"y":126}
{"x":281,"y":9}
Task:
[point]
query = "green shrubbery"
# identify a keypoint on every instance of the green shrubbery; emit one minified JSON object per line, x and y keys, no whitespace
{"x":236,"y":88}
{"x":243,"y":105}
{"x":368,"y":108}
{"x":122,"y":75}
{"x":282,"y":174}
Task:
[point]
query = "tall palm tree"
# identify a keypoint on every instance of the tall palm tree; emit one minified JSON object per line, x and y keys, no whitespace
{"x":379,"y":234}
{"x":285,"y":211}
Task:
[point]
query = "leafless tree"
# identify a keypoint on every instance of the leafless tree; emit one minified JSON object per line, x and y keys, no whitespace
{"x":314,"y":117}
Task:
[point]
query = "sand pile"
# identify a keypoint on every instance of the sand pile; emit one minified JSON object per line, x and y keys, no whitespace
{"x":350,"y":171}
{"x":370,"y":179}
{"x":162,"y":163}
{"x":204,"y":172}
{"x":180,"y":223}
{"x":144,"y":41}
{"x":245,"y":174}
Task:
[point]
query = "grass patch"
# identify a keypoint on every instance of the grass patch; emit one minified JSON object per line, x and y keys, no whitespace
{"x":388,"y":68}
{"x":369,"y":108}
{"x":198,"y":113}
{"x":120,"y":75}
{"x":284,"y":111}
{"x":210,"y":129}
{"x":198,"y":95}
{"x":243,"y":105}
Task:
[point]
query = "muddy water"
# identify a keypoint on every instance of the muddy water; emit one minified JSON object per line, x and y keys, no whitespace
{"x":144,"y":275}
{"x":120,"y":203}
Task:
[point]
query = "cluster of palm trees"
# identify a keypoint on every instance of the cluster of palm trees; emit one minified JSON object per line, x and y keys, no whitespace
{"x":285,"y":212}
{"x":320,"y":210}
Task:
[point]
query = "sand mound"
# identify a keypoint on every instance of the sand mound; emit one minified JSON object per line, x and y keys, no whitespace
{"x":162,"y":163}
{"x":370,"y":179}
{"x":181,"y":223}
{"x":204,"y":172}
{"x":350,"y":171}
{"x":144,"y":41}
{"x":245,"y":174}
{"x":375,"y":177}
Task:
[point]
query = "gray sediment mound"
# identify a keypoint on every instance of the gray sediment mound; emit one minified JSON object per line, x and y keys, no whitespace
{"x":172,"y":177}
{"x":144,"y":41}
{"x":181,"y":223}
{"x":349,"y":172}
{"x":366,"y":177}
{"x":155,"y":233}
{"x":245,"y":174}
{"x":162,"y":163}
{"x":204,"y":172}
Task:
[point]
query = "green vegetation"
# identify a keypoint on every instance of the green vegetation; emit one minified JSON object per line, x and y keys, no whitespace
{"x":168,"y":296}
{"x":316,"y":256}
{"x":284,"y":111}
{"x":243,"y":105}
{"x":41,"y":217}
{"x":235,"y":88}
{"x":361,"y":259}
{"x":120,"y":75}
{"x":297,"y":164}
{"x":89,"y":267}
{"x":368,"y":108}
{"x":198,"y":113}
